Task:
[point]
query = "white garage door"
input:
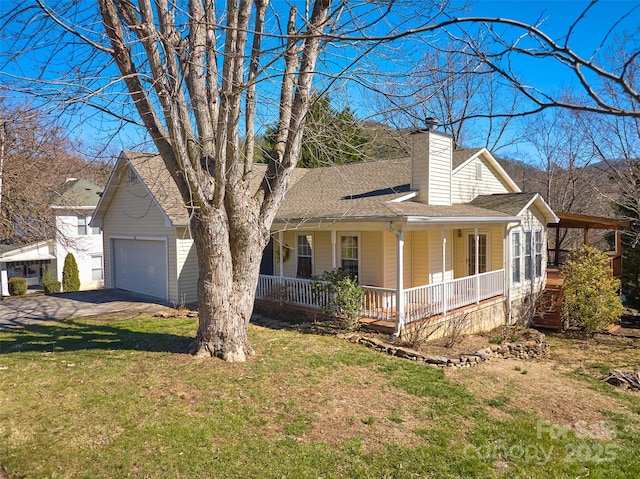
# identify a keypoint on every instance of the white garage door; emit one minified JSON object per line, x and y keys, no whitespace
{"x":140,"y":266}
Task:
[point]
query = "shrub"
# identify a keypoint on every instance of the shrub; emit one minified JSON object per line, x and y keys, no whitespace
{"x":344,"y":297}
{"x":49,"y":282}
{"x":17,"y":286}
{"x":591,"y":300}
{"x":70,"y":274}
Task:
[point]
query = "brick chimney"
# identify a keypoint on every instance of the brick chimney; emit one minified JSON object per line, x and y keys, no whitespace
{"x":431,"y":153}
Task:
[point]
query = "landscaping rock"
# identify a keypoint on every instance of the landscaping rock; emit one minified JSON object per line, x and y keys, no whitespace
{"x":527,"y":350}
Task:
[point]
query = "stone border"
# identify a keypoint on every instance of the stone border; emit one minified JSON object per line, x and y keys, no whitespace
{"x":526,"y":350}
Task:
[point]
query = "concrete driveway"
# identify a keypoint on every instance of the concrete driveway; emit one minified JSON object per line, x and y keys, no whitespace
{"x":18,"y":311}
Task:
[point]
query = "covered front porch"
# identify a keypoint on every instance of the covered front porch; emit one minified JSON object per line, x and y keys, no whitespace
{"x":389,"y":305}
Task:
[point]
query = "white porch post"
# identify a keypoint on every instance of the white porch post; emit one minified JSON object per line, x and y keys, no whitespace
{"x":445,"y":300}
{"x":477,"y":265}
{"x":280,"y":256}
{"x":334,"y":262}
{"x":400,"y":280}
{"x":4,"y":280}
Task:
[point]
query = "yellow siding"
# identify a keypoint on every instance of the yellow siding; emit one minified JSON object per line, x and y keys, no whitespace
{"x":322,"y":256}
{"x":133,"y":213}
{"x":435,"y":257}
{"x":289,"y":242}
{"x":371,"y":253}
{"x":420,"y":259}
{"x":389,"y":273}
{"x":496,"y":249}
{"x":407,"y":256}
{"x":466,"y":186}
{"x":460,"y":255}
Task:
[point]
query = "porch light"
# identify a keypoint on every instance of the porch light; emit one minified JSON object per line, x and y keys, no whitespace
{"x":459,"y":233}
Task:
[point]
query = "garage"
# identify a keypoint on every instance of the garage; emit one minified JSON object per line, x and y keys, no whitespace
{"x":140,"y":266}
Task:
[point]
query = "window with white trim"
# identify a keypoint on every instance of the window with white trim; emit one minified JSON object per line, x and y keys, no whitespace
{"x":349,"y":257}
{"x":84,"y":228}
{"x":82,"y":225}
{"x":538,"y":253}
{"x":96,"y":268}
{"x":516,"y":257}
{"x":528,"y":258}
{"x":305,"y":256}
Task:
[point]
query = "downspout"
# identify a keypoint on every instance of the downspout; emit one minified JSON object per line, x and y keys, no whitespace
{"x":399,"y":279}
{"x":334,"y":263}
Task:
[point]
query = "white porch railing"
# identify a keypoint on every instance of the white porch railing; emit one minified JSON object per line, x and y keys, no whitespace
{"x":441,"y":298}
{"x":294,"y":291}
{"x":380,"y":303}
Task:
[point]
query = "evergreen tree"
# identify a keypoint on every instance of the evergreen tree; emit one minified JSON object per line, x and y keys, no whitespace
{"x":627,"y":208}
{"x":70,"y":274}
{"x":331,"y":137}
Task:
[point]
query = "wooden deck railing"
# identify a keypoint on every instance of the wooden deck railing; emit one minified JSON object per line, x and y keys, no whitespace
{"x":380,"y":303}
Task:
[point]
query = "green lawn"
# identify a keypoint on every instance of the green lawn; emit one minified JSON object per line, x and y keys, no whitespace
{"x":86,"y":398}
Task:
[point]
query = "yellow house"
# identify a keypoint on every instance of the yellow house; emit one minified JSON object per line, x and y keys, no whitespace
{"x":425,"y":235}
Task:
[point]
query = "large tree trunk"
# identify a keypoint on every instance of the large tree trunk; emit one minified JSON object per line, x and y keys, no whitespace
{"x":226,"y":285}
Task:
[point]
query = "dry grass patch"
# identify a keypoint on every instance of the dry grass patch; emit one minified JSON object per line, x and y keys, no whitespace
{"x":555,"y":389}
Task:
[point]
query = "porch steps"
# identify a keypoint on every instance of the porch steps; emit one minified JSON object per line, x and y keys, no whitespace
{"x":387,"y":327}
{"x":550,"y":314}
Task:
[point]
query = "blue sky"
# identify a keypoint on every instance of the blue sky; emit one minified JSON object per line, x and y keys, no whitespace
{"x":558,"y":15}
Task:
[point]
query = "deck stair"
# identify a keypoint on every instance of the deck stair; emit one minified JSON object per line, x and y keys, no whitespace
{"x":549,"y":315}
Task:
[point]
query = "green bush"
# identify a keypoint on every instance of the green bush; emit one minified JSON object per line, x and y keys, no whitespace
{"x":70,"y":274}
{"x":17,"y":286}
{"x":51,"y":286}
{"x":591,"y":300}
{"x":49,"y":282}
{"x":344,"y":296}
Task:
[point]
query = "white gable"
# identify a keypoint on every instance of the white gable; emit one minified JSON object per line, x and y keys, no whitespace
{"x":480,"y":175}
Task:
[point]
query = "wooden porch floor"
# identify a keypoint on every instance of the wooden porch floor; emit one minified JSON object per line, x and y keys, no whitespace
{"x":389,"y":327}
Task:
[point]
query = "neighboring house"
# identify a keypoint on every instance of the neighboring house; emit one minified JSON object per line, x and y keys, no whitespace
{"x":425,"y":235}
{"x":73,"y":207}
{"x":28,"y":261}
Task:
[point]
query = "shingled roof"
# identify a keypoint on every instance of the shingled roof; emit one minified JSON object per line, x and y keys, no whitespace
{"x":459,"y":156}
{"x":153,"y":173}
{"x":368,"y":190}
{"x":76,"y":193}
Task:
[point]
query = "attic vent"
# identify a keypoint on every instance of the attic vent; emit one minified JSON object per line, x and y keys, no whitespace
{"x":133,"y":178}
{"x":478,"y":171}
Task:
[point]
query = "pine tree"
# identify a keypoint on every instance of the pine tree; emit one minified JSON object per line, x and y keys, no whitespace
{"x":70,"y":274}
{"x":331,"y":137}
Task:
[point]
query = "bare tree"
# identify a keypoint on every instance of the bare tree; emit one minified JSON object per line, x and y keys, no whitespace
{"x":454,"y":85}
{"x":36,"y":157}
{"x":197,"y":76}
{"x":601,"y":87}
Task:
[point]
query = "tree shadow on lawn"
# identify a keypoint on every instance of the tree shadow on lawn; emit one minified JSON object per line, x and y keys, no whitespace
{"x":74,"y":335}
